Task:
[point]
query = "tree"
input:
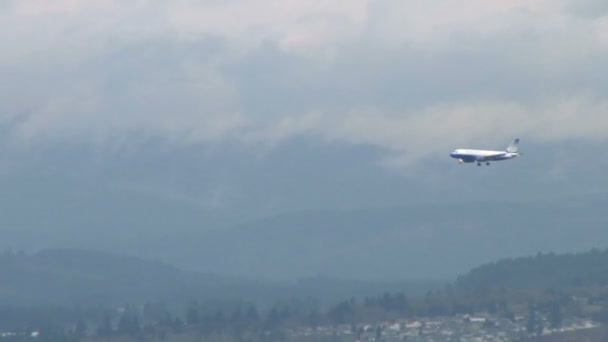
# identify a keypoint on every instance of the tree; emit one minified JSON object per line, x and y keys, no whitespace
{"x":105,"y":329}
{"x":387,"y":301}
{"x":252,"y":314}
{"x":313,"y":319}
{"x":532,"y":319}
{"x":237,"y":316}
{"x":129,"y":324}
{"x":81,"y":329}
{"x":192,"y":316}
{"x":555,"y":315}
{"x":341,"y":313}
{"x":401,"y":303}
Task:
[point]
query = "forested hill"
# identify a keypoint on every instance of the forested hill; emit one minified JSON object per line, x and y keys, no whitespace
{"x":76,"y":276}
{"x":540,"y":271}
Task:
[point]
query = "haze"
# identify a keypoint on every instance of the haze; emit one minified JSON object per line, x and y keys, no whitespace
{"x":303,"y":138}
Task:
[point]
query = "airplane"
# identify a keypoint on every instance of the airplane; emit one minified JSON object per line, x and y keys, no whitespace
{"x":484,"y":156}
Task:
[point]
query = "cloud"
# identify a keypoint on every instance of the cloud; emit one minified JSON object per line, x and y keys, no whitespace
{"x":436,"y":129}
{"x":411,"y":77}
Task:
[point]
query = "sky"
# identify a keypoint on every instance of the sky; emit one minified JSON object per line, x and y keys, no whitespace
{"x":257,"y":108}
{"x":413,"y":78}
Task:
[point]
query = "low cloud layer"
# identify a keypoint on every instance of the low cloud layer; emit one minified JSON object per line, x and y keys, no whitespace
{"x":415,"y":78}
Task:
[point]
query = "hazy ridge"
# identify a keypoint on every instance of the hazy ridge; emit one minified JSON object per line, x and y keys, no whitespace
{"x":79,"y":277}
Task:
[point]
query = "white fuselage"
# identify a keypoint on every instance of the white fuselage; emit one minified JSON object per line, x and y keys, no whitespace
{"x":472,"y":156}
{"x":485,"y":156}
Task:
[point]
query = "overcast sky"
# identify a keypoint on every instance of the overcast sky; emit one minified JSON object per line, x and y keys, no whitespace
{"x":338,"y":97}
{"x":120,"y":119}
{"x":418,"y":78}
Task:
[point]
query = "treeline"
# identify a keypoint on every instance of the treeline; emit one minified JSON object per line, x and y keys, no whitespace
{"x":548,"y":270}
{"x":546,"y":286}
{"x":209,"y":320}
{"x":242,"y":321}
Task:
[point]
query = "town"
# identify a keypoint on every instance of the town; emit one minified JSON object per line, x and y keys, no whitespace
{"x":482,"y":328}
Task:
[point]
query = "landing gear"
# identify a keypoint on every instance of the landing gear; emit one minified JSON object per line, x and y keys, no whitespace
{"x":478,"y":164}
{"x":488,"y":163}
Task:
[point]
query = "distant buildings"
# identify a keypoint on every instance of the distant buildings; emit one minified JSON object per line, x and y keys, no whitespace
{"x":481,"y":328}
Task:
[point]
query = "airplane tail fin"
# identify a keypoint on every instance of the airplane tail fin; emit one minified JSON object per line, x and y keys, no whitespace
{"x":512,"y":148}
